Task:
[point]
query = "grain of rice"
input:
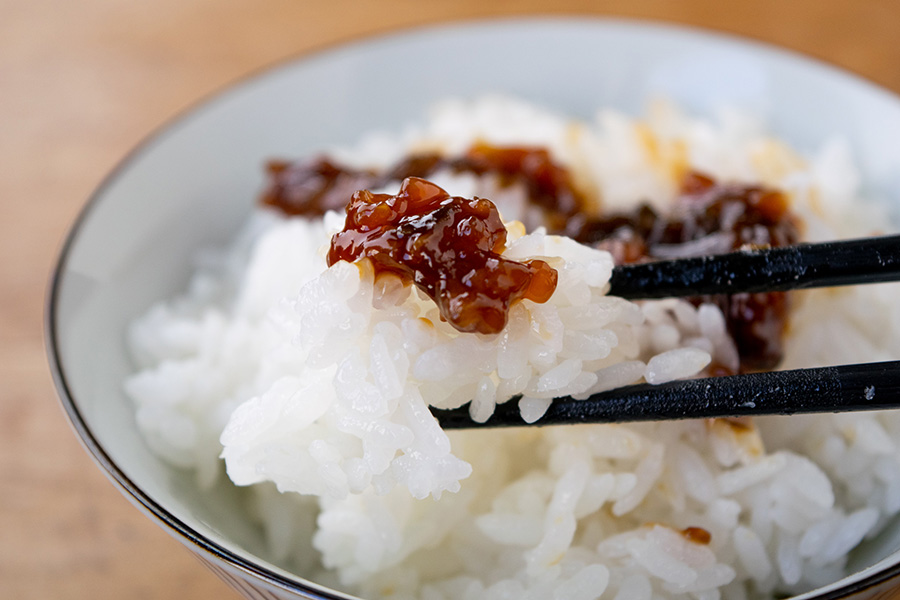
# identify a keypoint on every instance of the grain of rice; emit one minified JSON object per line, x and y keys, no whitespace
{"x":675,"y":364}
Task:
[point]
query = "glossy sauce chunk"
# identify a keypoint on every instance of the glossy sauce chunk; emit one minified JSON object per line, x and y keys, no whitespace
{"x":448,"y":246}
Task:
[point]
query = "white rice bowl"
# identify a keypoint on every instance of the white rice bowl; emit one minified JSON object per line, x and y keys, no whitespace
{"x":314,"y":388}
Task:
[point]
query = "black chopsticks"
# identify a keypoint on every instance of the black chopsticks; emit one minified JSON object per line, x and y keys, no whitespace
{"x":847,"y":262}
{"x":869,"y":386}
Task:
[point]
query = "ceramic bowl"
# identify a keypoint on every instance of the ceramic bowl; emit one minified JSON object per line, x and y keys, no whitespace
{"x":191,"y":184}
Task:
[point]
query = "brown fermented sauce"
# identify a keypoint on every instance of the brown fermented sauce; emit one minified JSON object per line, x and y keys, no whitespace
{"x":548,"y":185}
{"x":738,"y":425}
{"x":313,"y":187}
{"x":740,"y":216}
{"x":448,"y":246}
{"x":698,"y":535}
{"x":310,"y":188}
{"x":733,"y":216}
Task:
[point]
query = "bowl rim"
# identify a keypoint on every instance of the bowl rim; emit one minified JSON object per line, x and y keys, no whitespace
{"x":178,"y":528}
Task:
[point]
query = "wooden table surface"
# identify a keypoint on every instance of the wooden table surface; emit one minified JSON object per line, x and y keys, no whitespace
{"x":80,"y":83}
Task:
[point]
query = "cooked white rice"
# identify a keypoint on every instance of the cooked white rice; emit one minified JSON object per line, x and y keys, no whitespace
{"x":318,"y":381}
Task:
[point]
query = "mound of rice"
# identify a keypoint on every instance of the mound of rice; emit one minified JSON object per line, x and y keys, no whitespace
{"x":314,"y":384}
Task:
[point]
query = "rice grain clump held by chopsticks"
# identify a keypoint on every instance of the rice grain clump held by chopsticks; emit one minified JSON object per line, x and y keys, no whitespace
{"x":319,"y":381}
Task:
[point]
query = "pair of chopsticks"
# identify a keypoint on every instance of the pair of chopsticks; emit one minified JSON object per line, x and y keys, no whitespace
{"x":868,"y":386}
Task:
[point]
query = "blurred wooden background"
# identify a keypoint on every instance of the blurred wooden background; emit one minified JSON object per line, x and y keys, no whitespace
{"x":81,"y":82}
